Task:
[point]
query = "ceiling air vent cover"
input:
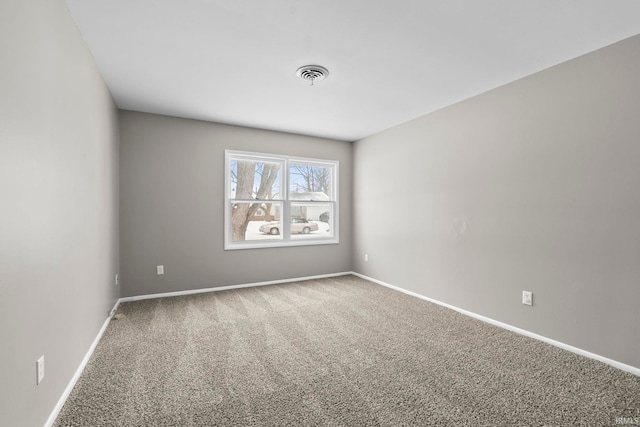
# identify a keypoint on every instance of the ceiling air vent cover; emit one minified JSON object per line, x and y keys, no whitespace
{"x":312,"y":73}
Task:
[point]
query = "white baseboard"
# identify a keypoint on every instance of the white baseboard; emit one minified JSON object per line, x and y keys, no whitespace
{"x":614,"y":363}
{"x":226,"y":288}
{"x":67,"y":391}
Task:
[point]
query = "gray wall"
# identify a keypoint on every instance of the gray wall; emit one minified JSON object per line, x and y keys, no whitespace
{"x":534,"y":185}
{"x":59,"y":215}
{"x":172,"y":182}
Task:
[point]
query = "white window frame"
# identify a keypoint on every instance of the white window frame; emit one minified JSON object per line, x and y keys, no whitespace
{"x":286,"y":201}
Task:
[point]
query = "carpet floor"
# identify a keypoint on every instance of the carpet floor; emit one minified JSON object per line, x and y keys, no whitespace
{"x":333,"y":352}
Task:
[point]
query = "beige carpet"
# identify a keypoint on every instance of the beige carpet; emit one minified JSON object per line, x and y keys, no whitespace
{"x":335,"y":352}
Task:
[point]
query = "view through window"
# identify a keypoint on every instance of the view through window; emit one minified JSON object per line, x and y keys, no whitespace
{"x":279,"y":201}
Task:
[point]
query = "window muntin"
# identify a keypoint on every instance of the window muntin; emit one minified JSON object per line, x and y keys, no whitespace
{"x":259,"y":213}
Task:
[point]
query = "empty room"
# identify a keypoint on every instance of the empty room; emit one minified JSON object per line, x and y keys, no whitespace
{"x":339,"y":213}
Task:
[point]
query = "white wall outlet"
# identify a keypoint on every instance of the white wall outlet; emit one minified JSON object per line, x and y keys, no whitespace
{"x":39,"y":370}
{"x":366,"y":257}
{"x":160,"y":270}
{"x":116,"y":279}
{"x":527,"y":298}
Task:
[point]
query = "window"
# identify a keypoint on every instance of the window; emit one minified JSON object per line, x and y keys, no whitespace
{"x":275,"y":200}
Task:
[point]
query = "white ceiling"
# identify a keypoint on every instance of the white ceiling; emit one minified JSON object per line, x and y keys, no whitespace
{"x":235,"y":61}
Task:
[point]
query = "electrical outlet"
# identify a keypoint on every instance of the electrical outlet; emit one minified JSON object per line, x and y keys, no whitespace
{"x":160,"y":270}
{"x":39,"y":370}
{"x":527,"y":298}
{"x":366,"y":257}
{"x":116,"y":279}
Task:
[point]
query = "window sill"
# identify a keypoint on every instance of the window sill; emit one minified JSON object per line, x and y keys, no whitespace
{"x":280,"y":244}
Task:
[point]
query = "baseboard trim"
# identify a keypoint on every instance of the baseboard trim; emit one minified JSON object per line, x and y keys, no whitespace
{"x":67,"y":391}
{"x":614,"y":363}
{"x":226,"y":288}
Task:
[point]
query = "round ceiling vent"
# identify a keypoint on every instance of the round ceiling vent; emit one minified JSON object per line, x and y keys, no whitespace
{"x":312,"y":73}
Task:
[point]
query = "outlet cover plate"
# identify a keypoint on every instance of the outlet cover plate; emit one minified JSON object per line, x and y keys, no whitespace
{"x":40,"y":370}
{"x":527,"y":298}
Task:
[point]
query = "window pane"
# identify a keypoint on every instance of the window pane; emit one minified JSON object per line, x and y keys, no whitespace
{"x":255,"y":221}
{"x":311,"y":220}
{"x":310,"y":182}
{"x":253,"y":179}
